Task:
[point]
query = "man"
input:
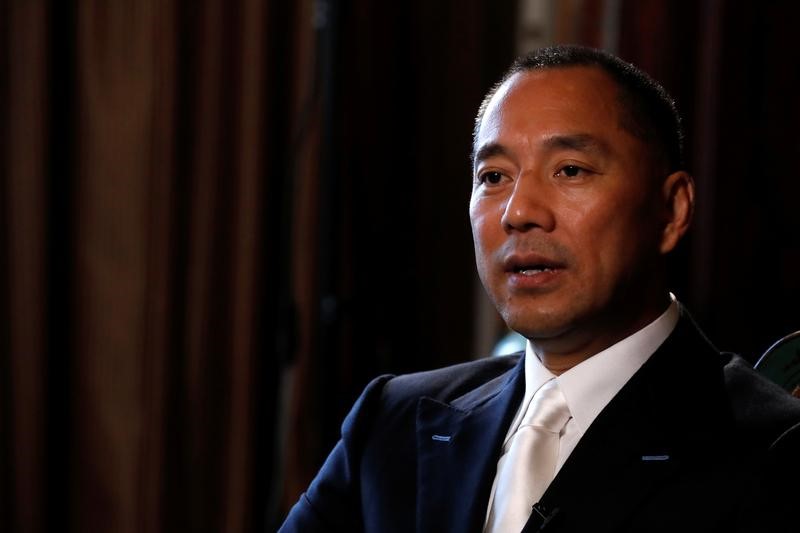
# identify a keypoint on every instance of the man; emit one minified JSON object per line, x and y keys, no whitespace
{"x":578,"y":195}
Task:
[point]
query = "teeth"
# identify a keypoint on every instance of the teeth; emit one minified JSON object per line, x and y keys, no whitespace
{"x":534,"y":271}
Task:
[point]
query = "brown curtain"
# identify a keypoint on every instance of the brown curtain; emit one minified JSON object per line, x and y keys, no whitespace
{"x":219,"y":220}
{"x":143,"y":147}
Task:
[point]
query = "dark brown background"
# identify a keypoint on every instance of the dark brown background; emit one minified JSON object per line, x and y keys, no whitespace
{"x":220,"y":220}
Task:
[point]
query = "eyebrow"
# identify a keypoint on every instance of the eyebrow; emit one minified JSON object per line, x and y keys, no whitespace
{"x":582,"y":142}
{"x":489,"y":150}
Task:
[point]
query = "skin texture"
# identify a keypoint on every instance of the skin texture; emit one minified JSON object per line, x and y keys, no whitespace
{"x":559,"y":182}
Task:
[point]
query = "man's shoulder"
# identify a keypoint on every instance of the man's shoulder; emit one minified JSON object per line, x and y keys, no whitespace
{"x":759,"y":406}
{"x":482,"y":377}
{"x":451,"y":382}
{"x":761,"y":410}
{"x":393,"y":399}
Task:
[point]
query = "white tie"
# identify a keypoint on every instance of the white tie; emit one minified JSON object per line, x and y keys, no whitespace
{"x":528,"y":463}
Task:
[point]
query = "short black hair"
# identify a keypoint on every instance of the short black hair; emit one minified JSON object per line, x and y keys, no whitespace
{"x":649,"y":113}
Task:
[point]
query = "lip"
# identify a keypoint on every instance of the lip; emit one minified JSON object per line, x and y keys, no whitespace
{"x":532,"y":271}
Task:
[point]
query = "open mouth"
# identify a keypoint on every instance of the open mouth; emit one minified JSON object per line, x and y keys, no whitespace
{"x":532,"y":270}
{"x":531,"y":264}
{"x":528,"y":271}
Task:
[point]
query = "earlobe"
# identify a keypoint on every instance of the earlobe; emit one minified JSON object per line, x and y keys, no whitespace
{"x":678,"y":195}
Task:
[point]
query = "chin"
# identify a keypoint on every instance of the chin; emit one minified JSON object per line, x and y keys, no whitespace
{"x":535,"y":325}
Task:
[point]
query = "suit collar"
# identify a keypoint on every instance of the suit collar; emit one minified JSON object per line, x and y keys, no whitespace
{"x":458,"y":445}
{"x":590,"y":385}
{"x":614,"y":469}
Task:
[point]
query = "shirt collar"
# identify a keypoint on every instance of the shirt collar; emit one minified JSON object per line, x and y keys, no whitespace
{"x":590,"y":385}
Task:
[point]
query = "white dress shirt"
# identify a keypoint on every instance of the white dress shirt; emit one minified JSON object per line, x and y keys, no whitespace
{"x":591,"y":384}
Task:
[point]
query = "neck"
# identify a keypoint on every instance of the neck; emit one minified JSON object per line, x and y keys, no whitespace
{"x":560,"y":353}
{"x":559,"y":364}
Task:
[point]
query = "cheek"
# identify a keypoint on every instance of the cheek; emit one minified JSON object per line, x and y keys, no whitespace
{"x":603,"y":233}
{"x":485,"y":240}
{"x":482,"y":248}
{"x":484,"y":226}
{"x":619,"y":240}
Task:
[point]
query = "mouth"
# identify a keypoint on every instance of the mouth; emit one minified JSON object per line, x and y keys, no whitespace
{"x":532,"y":271}
{"x":531,"y":265}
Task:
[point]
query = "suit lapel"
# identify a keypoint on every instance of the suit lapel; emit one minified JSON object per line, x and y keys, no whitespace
{"x":612,"y":470}
{"x":674,"y":403}
{"x":615,"y":468}
{"x":458,"y":445}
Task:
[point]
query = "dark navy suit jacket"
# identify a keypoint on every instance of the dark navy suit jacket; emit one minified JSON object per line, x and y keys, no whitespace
{"x":695,"y":441}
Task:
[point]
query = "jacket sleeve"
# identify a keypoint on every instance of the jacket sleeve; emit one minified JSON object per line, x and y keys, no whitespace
{"x":332,"y":502}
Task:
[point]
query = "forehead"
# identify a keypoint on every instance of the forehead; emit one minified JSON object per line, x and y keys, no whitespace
{"x":580,"y":99}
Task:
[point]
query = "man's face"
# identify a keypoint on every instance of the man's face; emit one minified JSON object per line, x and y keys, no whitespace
{"x":567,"y":216}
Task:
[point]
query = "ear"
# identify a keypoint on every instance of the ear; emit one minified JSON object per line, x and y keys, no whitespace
{"x":678,"y":197}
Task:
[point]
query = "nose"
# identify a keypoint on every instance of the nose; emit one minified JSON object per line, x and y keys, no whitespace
{"x":528,"y":207}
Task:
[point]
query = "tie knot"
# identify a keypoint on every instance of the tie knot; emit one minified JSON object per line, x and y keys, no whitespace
{"x":548,"y":408}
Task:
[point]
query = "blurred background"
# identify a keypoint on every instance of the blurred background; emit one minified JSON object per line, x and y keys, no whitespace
{"x":219,"y":220}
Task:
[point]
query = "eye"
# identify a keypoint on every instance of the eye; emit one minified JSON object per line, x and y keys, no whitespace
{"x":570,"y":171}
{"x":490,"y":178}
